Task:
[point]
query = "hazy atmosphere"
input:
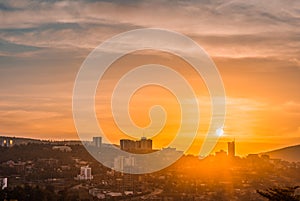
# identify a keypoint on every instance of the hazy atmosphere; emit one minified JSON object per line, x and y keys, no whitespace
{"x":254,"y":44}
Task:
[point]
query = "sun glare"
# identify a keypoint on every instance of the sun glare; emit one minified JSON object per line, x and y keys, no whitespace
{"x":219,"y":132}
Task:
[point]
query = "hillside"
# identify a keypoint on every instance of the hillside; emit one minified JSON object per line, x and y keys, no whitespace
{"x":291,"y":153}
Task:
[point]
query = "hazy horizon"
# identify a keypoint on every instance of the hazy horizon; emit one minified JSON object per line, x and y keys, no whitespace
{"x":254,"y":44}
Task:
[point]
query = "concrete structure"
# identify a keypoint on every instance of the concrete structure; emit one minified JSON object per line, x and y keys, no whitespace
{"x":121,"y":163}
{"x":62,"y":148}
{"x":97,"y":141}
{"x":95,"y":192}
{"x":85,"y":173}
{"x":140,"y":145}
{"x":231,"y":149}
{"x":6,"y":142}
{"x":144,"y":144}
{"x":127,"y":145}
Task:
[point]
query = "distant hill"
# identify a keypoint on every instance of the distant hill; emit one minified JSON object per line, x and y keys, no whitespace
{"x":291,"y":153}
{"x":17,"y":140}
{"x":21,"y":140}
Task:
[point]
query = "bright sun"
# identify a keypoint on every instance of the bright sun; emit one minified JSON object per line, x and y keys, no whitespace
{"x":219,"y":132}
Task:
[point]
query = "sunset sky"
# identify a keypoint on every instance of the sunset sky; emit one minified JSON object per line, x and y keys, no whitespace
{"x":254,"y":44}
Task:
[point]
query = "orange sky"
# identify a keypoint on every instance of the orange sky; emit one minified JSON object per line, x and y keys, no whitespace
{"x":255,"y":46}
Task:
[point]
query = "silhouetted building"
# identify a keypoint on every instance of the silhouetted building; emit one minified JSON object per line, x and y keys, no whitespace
{"x":6,"y":142}
{"x":144,"y":144}
{"x":141,"y":145}
{"x":221,"y":154}
{"x":265,"y":157}
{"x":127,"y":145}
{"x":97,"y":141}
{"x":231,"y":149}
{"x":253,"y":156}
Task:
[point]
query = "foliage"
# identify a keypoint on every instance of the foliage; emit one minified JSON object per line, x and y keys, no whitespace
{"x":280,"y":194}
{"x":32,"y":193}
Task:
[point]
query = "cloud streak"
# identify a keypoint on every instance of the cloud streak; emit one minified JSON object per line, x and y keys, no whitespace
{"x":255,"y":44}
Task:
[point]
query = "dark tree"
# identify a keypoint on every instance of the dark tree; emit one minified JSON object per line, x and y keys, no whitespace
{"x":280,"y":194}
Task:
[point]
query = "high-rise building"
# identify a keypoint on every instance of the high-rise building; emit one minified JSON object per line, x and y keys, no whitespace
{"x":127,"y":145}
{"x":97,"y":141}
{"x":141,"y":145}
{"x":145,"y":144}
{"x":231,"y":149}
{"x":122,"y":163}
{"x":127,"y":164}
{"x":85,"y":173}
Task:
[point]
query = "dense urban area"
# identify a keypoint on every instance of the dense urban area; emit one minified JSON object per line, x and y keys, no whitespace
{"x":45,"y":170}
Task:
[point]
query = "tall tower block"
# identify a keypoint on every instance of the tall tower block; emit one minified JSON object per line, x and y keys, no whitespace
{"x":231,"y":149}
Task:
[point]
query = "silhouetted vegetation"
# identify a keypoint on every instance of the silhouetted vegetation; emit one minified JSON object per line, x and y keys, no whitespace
{"x":29,"y":193}
{"x":37,"y":172}
{"x":280,"y":194}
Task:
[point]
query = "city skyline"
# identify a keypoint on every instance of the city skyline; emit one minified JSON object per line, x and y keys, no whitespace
{"x":70,"y":171}
{"x":255,"y":46}
{"x":165,"y":100}
{"x":133,"y":146}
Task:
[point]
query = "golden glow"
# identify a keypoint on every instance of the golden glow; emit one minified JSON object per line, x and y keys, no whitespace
{"x":148,"y":96}
{"x":257,"y":56}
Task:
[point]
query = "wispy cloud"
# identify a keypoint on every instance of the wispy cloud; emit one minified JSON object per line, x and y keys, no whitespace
{"x":255,"y":45}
